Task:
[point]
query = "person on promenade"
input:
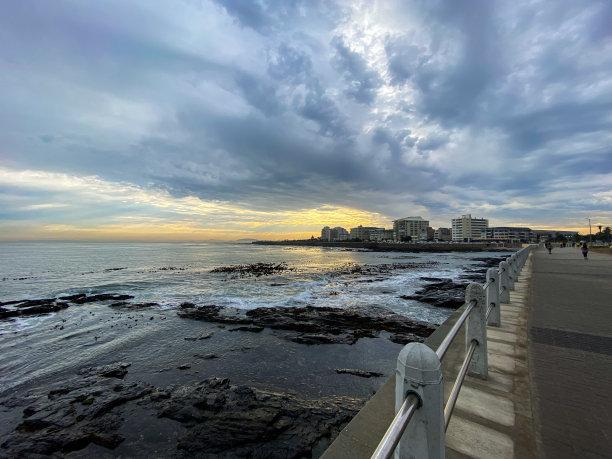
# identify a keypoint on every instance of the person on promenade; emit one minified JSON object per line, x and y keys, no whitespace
{"x":585,"y":250}
{"x":548,"y":245}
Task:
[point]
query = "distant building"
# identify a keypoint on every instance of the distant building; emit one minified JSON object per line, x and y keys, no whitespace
{"x":334,"y":234}
{"x":339,"y":234}
{"x":409,"y":228}
{"x":466,"y":228}
{"x":427,"y":235}
{"x":381,"y":234}
{"x":508,"y":233}
{"x":544,"y":234}
{"x":443,"y":234}
{"x":326,"y":234}
{"x":366,"y":233}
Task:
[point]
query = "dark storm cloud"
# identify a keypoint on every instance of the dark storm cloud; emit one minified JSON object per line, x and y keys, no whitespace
{"x":294,"y":68}
{"x":432,"y":142}
{"x":403,"y":59}
{"x":362,"y":82}
{"x":282,"y":105}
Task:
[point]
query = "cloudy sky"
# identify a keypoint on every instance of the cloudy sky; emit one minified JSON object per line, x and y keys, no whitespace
{"x":197,"y":119}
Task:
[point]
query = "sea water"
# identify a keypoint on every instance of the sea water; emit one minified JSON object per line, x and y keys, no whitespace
{"x":35,"y":351}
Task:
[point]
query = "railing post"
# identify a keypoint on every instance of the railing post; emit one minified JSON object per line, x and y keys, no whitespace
{"x":511,"y":274}
{"x":504,"y":288}
{"x":493,"y":297}
{"x":419,"y":372}
{"x":476,"y":329}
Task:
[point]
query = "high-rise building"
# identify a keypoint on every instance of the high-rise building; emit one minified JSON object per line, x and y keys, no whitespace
{"x":409,"y":228}
{"x":366,"y":233}
{"x":508,"y":233}
{"x":326,"y":234}
{"x":334,"y":234}
{"x":339,"y":234}
{"x":466,"y":228}
{"x":443,"y":234}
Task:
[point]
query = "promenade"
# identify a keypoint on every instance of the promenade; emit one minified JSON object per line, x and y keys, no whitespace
{"x":550,"y":371}
{"x":570,"y":353}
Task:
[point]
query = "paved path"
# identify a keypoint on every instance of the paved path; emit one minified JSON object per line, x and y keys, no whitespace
{"x":570,"y":353}
{"x":549,"y":391}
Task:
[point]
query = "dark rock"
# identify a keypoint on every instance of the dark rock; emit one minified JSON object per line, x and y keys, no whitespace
{"x":237,"y":421}
{"x":219,"y":419}
{"x":247,"y":329}
{"x":360,"y":373}
{"x":113,"y":370}
{"x":317,"y":339}
{"x":183,"y":367}
{"x":207,"y":356}
{"x":315,"y":325}
{"x":82,"y":410}
{"x":102,"y":297}
{"x":126,"y":305}
{"x":6,"y":313}
{"x":255,"y":269}
{"x":197,"y":338}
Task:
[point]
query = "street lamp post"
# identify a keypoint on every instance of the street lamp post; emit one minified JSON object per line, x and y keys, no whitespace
{"x":590,"y":235}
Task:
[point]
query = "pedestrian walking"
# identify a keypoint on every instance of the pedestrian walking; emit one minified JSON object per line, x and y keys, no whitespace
{"x":548,"y":245}
{"x":585,"y":250}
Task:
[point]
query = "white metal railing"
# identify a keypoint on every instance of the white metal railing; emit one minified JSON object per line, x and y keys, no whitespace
{"x":422,"y":417}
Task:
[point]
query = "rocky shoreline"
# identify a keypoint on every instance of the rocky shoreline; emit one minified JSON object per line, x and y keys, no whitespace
{"x":104,"y":406}
{"x":217,"y":419}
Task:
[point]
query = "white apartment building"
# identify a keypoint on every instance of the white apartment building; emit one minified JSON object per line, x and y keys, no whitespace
{"x":466,"y":228}
{"x":508,"y":233}
{"x":339,"y":234}
{"x":326,"y":234}
{"x":334,"y":234}
{"x":367,"y":233}
{"x":409,"y":227}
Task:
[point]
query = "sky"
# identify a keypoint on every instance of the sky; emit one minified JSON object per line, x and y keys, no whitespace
{"x":223,"y":120}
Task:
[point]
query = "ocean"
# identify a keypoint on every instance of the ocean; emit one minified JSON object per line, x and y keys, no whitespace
{"x":164,"y":349}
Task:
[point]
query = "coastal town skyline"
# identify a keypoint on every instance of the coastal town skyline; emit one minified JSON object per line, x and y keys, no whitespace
{"x":130,"y":122}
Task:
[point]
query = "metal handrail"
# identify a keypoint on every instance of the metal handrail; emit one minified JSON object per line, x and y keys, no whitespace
{"x":488,"y":284}
{"x":394,"y":433}
{"x":452,"y":399}
{"x":489,"y":309}
{"x":448,"y":339}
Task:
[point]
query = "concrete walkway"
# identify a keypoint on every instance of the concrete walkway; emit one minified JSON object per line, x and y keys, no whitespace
{"x":492,"y":418}
{"x":570,"y":353}
{"x":549,"y":391}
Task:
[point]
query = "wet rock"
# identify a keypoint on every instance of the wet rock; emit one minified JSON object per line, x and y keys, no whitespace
{"x":237,"y":421}
{"x":445,"y":294}
{"x":198,"y":338}
{"x":101,"y":297}
{"x":319,"y":339}
{"x":213,"y":313}
{"x":315,"y":325}
{"x":113,"y":370}
{"x":126,"y":305}
{"x":81,"y":410}
{"x":207,"y":356}
{"x":32,"y":307}
{"x":360,"y":373}
{"x":255,"y":269}
{"x":219,"y":419}
{"x":183,"y":367}
{"x":247,"y":329}
{"x":6,"y":313}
